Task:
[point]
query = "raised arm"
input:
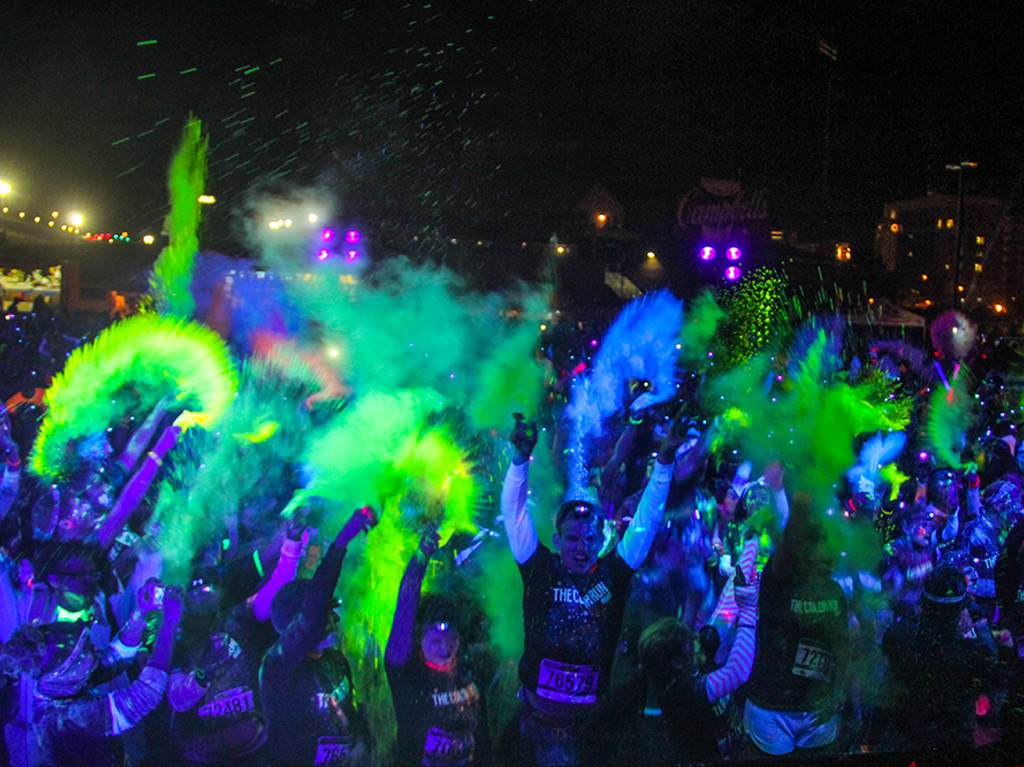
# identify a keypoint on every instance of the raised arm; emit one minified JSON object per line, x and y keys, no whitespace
{"x":137,"y":487}
{"x":285,"y":570}
{"x":785,"y":557}
{"x":307,"y":629}
{"x":737,"y":668}
{"x":640,"y":534}
{"x":403,"y":627}
{"x":143,"y":435}
{"x":119,"y":711}
{"x":522,"y":535}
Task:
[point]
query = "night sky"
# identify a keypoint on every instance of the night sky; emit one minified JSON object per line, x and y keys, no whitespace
{"x":487,"y":116}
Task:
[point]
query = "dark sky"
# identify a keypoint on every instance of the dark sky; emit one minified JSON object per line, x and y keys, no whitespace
{"x":464,"y":112}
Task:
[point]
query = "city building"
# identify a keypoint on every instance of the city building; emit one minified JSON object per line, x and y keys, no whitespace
{"x":916,"y":242}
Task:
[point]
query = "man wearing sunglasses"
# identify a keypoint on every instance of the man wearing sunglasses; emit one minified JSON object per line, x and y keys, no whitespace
{"x":573,"y":602}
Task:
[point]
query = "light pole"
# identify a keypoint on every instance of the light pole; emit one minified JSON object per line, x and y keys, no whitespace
{"x":959,"y":169}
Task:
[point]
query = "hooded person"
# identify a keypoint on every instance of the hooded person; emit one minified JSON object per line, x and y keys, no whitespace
{"x":935,"y":671}
{"x":573,"y":603}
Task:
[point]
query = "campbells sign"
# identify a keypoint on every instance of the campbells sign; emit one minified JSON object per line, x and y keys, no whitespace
{"x":718,"y":207}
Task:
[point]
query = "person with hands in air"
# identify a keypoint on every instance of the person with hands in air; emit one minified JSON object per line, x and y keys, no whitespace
{"x":573,"y":602}
{"x":305,"y":682}
{"x":437,"y":702}
{"x":695,"y":703}
{"x":78,"y":725}
{"x":214,"y":689}
{"x":798,"y":681}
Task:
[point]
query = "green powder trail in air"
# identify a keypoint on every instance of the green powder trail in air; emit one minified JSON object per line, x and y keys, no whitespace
{"x":809,"y":423}
{"x":698,"y":331}
{"x":950,"y":415}
{"x":152,"y":356}
{"x":511,"y":381}
{"x":244,"y":470}
{"x":172,"y":273}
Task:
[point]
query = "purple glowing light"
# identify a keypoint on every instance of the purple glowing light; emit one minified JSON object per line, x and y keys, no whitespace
{"x":593,"y":343}
{"x":734,"y":253}
{"x":707,"y":253}
{"x":351,"y":255}
{"x":733,"y":273}
{"x":327,"y":235}
{"x":323,"y":254}
{"x":352,"y":236}
{"x":922,"y":456}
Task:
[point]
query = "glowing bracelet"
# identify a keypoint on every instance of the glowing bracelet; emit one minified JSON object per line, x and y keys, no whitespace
{"x":256,"y":561}
{"x":153,"y":456}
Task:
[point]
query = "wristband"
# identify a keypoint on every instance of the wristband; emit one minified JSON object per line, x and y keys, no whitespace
{"x":154,"y":457}
{"x":636,"y":420}
{"x":747,"y":626}
{"x":14,"y":463}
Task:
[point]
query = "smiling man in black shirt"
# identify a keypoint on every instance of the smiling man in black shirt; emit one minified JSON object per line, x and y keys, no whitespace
{"x":573,"y":602}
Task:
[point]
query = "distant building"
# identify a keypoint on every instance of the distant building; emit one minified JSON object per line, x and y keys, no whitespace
{"x":915,"y":241}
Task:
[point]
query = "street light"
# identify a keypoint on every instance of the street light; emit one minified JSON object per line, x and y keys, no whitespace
{"x":5,"y":187}
{"x":959,"y":169}
{"x":76,"y":219}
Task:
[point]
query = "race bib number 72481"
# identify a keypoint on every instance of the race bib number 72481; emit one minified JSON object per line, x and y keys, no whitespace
{"x":567,"y":682}
{"x":813,"y":661}
{"x":237,"y":700}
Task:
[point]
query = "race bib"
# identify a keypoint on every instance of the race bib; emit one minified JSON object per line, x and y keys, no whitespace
{"x":331,"y":749}
{"x":813,"y":661}
{"x":237,"y":700}
{"x":567,"y":682}
{"x":443,"y":745}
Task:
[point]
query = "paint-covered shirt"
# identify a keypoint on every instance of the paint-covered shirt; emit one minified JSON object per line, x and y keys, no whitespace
{"x":572,"y":625}
{"x":802,"y":638}
{"x":226,"y":723}
{"x":439,"y":715}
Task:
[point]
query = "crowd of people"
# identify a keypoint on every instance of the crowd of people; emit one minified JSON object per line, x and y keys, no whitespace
{"x":690,"y":608}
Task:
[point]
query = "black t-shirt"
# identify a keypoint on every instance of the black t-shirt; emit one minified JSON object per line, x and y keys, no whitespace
{"x":310,"y":711}
{"x":1010,"y":584}
{"x":802,"y":642}
{"x":227,"y":722}
{"x":439,"y":715}
{"x":571,"y":625}
{"x":695,"y":725}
